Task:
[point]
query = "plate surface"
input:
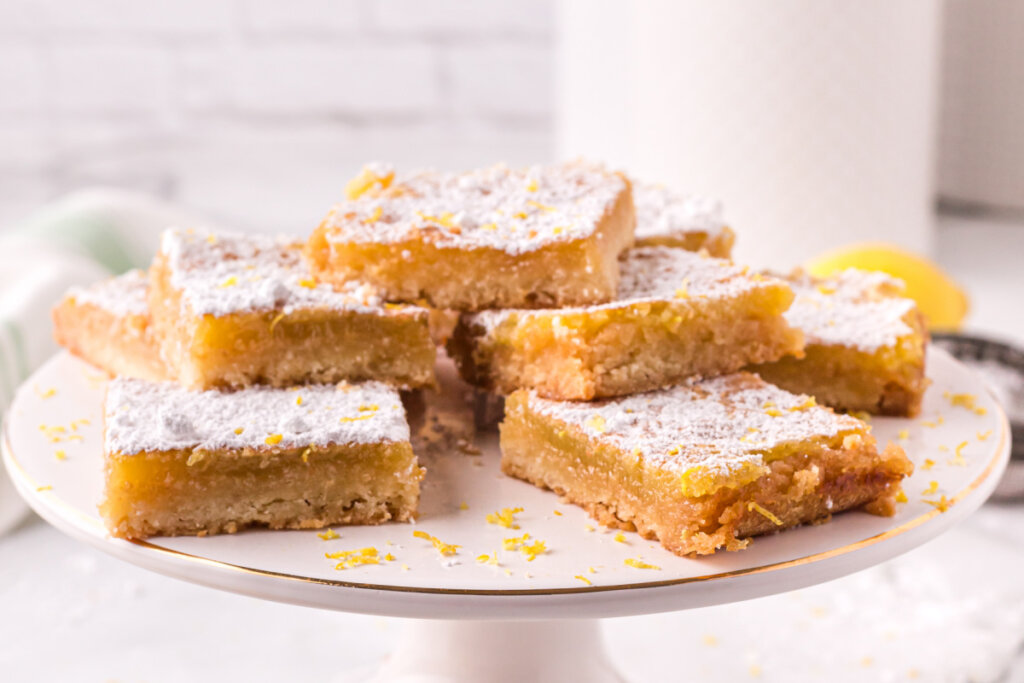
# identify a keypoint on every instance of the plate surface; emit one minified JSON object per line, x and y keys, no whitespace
{"x":460,"y":490}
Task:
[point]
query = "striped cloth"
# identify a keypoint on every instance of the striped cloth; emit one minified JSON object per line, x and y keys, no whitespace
{"x":85,"y":237}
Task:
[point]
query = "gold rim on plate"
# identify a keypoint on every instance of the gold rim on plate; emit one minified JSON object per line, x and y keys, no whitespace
{"x":27,"y":481}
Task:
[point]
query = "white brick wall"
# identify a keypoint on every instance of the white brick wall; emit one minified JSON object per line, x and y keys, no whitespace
{"x":258,"y":110}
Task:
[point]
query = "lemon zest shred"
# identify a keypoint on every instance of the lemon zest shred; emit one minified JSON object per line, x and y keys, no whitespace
{"x":443,"y":548}
{"x":329,"y":535}
{"x":584,"y":579}
{"x":764,"y":512}
{"x":506,"y":517}
{"x":273,"y":439}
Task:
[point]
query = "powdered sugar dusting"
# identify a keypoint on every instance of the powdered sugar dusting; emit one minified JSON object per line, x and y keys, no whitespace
{"x":716,"y":424}
{"x":224,"y":273}
{"x":122,"y":295}
{"x":656,"y":274}
{"x":512,"y":210}
{"x":660,"y":212}
{"x":855,"y":308}
{"x":147,"y":416}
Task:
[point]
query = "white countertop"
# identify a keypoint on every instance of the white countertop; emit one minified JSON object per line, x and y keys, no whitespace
{"x":952,"y":610}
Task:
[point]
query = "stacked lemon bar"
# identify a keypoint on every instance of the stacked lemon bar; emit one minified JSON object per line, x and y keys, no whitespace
{"x":260,"y":377}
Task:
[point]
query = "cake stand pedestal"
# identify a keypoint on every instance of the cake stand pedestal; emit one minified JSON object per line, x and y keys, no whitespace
{"x":516,"y":620}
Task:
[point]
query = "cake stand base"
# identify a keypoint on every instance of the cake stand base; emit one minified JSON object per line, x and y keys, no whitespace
{"x":499,"y":652}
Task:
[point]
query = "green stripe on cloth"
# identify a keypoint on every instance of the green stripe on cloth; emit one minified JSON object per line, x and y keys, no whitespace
{"x":94,"y":237}
{"x":20,"y":357}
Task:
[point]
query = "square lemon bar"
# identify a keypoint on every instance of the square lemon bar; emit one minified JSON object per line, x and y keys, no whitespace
{"x":865,"y":344}
{"x":235,"y":310}
{"x":182,"y":462}
{"x":108,"y":325}
{"x":490,"y":238}
{"x":676,"y":314}
{"x":667,"y":218}
{"x":704,"y":465}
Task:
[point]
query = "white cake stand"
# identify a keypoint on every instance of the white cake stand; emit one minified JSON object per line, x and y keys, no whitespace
{"x":518,"y":620}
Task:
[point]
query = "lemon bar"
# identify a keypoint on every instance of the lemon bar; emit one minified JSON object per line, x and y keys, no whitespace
{"x":666,"y":218}
{"x":676,"y":314}
{"x":108,"y":324}
{"x":490,"y":238}
{"x":702,"y":466}
{"x":865,"y":344}
{"x":182,"y":462}
{"x":235,"y":310}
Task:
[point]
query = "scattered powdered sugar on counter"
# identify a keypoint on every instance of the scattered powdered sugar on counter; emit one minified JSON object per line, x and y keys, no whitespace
{"x":121,"y":295}
{"x":718,"y":424}
{"x":656,"y":274}
{"x":512,"y":210}
{"x":146,"y":416}
{"x":854,"y":308}
{"x":660,"y":212}
{"x":224,"y":273}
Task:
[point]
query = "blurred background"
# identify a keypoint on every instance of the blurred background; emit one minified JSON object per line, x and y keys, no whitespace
{"x":819,"y":123}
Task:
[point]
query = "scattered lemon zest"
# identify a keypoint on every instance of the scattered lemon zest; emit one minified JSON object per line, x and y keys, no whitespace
{"x":354,"y":558}
{"x":194,"y":457}
{"x":620,"y":537}
{"x":230,"y":282}
{"x":506,"y":517}
{"x":928,"y":464}
{"x":46,"y":393}
{"x":44,"y":488}
{"x":584,"y":579}
{"x":373,"y":217}
{"x":764,"y":512}
{"x":710,"y":640}
{"x":273,"y":439}
{"x":538,"y":205}
{"x":984,"y":435}
{"x":329,"y":534}
{"x":463,"y":506}
{"x":239,"y":430}
{"x":298,"y":400}
{"x":933,"y":487}
{"x":942,"y":504}
{"x":61,"y":455}
{"x":637,"y":563}
{"x":405,"y":567}
{"x":443,"y":548}
{"x":901,"y":496}
{"x":904,"y":435}
{"x":489,"y":226}
{"x":389,"y":557}
{"x":371,"y":407}
{"x":305,"y":454}
{"x":968,"y":401}
{"x":958,"y":459}
{"x":531,"y":185}
{"x":773,"y":412}
{"x":275,"y":321}
{"x":557,"y":513}
{"x":308,"y":283}
{"x":588,"y":527}
{"x":932,"y":424}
